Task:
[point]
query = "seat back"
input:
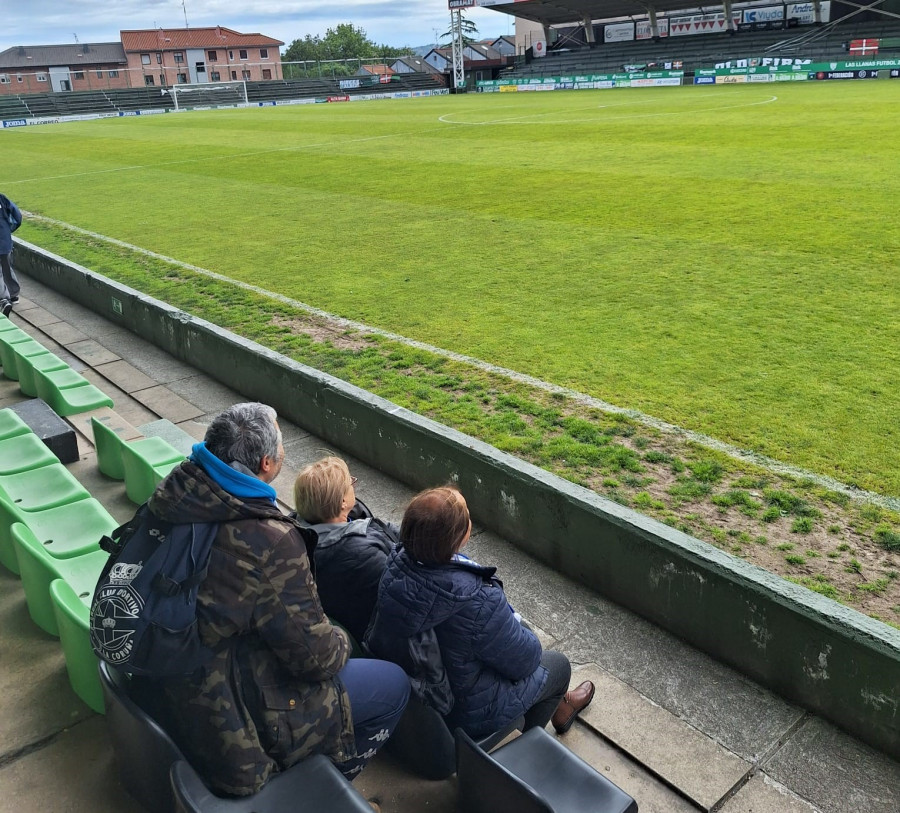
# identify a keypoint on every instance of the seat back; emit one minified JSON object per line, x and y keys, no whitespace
{"x":37,"y":569}
{"x":423,"y":742}
{"x":485,"y":786}
{"x":108,"y":445}
{"x":73,"y":622}
{"x":11,"y":425}
{"x":311,"y":786}
{"x":143,"y":751}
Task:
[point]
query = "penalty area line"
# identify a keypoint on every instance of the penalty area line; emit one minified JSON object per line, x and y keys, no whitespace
{"x":776,"y":466}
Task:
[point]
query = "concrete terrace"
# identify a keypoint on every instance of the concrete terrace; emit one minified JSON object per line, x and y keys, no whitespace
{"x":676,"y":729}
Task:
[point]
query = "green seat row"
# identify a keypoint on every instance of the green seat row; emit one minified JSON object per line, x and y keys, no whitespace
{"x":141,"y":463}
{"x":50,"y":528}
{"x":43,"y":375}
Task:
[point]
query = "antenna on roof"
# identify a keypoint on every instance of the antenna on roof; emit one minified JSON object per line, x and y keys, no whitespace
{"x":76,"y":38}
{"x":184,"y":8}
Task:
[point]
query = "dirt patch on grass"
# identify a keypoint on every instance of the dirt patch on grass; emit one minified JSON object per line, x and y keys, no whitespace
{"x":320,"y":330}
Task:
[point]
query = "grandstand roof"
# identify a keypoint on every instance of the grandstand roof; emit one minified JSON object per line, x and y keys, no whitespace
{"x":558,"y":12}
{"x":87,"y":53}
{"x":168,"y":39}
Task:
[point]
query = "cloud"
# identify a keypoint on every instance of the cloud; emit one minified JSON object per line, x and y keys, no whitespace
{"x":391,"y":22}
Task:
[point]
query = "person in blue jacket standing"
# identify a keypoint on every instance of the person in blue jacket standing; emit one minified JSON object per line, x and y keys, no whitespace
{"x":10,"y":220}
{"x":487,"y":667}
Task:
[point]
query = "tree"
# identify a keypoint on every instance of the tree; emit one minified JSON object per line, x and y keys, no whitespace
{"x":469,"y":31}
{"x":347,"y":41}
{"x":309,"y":49}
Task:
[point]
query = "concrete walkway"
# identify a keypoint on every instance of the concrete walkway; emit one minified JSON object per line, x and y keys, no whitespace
{"x":677,"y":730}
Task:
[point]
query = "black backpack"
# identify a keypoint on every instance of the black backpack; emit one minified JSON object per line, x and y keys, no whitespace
{"x":144,"y":610}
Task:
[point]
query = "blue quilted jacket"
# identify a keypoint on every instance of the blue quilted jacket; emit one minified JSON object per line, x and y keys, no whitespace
{"x":492,"y":662}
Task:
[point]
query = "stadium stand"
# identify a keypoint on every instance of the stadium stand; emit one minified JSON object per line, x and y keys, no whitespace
{"x":820,"y":44}
{"x":147,"y":98}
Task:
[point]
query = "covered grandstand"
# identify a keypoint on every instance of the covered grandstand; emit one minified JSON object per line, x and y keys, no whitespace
{"x":555,"y":37}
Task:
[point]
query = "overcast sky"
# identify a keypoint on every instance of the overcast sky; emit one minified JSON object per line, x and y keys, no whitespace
{"x":390,"y":22}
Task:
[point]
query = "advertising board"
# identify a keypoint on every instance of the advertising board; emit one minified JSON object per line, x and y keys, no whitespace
{"x":618,"y":32}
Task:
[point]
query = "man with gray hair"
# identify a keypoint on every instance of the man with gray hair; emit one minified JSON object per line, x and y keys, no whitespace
{"x":277,"y":685}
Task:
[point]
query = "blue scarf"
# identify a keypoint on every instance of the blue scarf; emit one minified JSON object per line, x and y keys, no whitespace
{"x":231,"y":480}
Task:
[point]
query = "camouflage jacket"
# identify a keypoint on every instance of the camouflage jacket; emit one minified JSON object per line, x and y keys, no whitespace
{"x":269,"y":695}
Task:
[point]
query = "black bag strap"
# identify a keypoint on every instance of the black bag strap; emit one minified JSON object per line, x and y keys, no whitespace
{"x":202,"y":536}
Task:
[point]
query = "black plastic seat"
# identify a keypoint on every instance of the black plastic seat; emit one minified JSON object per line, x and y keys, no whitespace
{"x":423,"y":742}
{"x":143,"y":752}
{"x":534,"y":773}
{"x":310,"y":786}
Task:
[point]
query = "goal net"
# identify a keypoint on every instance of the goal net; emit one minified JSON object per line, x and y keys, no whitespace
{"x":207,"y":94}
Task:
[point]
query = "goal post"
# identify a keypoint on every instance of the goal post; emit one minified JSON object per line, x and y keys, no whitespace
{"x":208,"y":94}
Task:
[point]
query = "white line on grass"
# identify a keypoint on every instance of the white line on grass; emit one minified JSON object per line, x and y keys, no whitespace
{"x":777,"y":466}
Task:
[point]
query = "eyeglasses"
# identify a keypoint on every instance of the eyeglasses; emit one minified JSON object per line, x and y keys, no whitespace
{"x":353,"y":480}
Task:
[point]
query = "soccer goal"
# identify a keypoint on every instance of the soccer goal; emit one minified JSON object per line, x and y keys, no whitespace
{"x":208,"y":94}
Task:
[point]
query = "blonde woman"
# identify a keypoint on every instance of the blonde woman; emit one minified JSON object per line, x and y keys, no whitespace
{"x":350,"y":555}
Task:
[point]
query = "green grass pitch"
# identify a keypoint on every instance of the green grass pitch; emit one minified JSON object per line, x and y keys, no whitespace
{"x":723,"y":258}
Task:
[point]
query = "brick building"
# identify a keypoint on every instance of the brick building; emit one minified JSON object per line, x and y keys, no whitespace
{"x":62,"y":68}
{"x":150,"y":57}
{"x":178,"y":56}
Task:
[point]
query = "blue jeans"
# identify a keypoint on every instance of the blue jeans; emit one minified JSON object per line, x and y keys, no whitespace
{"x":378,"y":692}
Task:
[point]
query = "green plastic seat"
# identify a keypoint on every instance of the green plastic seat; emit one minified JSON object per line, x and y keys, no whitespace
{"x":73,"y":621}
{"x":146,"y":462}
{"x":11,"y":353}
{"x":7,"y":339}
{"x":42,"y":488}
{"x":38,"y":569}
{"x":65,"y":531}
{"x":24,"y":452}
{"x":68,"y":393}
{"x":108,"y":445}
{"x":6,"y":325}
{"x":26,"y":365}
{"x":11,"y":425}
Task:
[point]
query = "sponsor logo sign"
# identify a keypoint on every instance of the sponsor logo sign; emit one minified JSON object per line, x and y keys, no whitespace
{"x":763,"y":15}
{"x":895,"y":74}
{"x":704,"y":80}
{"x":642,"y":28}
{"x":452,"y":4}
{"x":349,"y":84}
{"x":15,"y":123}
{"x":805,"y":13}
{"x":731,"y":80}
{"x":338,"y":99}
{"x":618,"y":32}
{"x":861,"y":74}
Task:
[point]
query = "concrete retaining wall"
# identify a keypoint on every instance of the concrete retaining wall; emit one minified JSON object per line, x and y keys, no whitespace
{"x":826,"y":657}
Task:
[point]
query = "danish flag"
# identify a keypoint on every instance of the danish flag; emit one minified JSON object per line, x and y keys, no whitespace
{"x":864,"y":47}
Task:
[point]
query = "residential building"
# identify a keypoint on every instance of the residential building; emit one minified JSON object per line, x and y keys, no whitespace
{"x":62,"y":68}
{"x":178,"y":56}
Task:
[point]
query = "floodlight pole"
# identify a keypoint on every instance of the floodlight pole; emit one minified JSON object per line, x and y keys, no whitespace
{"x":459,"y":74}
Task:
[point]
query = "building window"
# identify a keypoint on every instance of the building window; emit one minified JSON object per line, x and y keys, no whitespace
{"x":112,"y":74}
{"x":267,"y":74}
{"x":78,"y":75}
{"x":41,"y":77}
{"x":178,"y":56}
{"x":263,"y":53}
{"x":158,"y":58}
{"x":4,"y":78}
{"x":99,"y":74}
{"x":162,"y":80}
{"x":181,"y":78}
{"x":19,"y":77}
{"x":245,"y":75}
{"x":230,"y":55}
{"x":145,"y":59}
{"x":234,"y":76}
{"x":148,"y":80}
{"x":211,"y":55}
{"x":242,"y":53}
{"x":214,"y":76}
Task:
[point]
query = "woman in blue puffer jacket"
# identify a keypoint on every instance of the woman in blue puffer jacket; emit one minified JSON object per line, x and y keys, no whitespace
{"x":487,"y":666}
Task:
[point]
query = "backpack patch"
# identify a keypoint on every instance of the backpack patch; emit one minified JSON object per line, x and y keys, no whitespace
{"x":144,"y":610}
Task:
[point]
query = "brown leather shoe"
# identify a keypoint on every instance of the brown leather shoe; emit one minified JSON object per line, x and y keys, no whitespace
{"x":572,"y":703}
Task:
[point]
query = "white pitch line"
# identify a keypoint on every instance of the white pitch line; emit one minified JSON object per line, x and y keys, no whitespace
{"x":892,"y":503}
